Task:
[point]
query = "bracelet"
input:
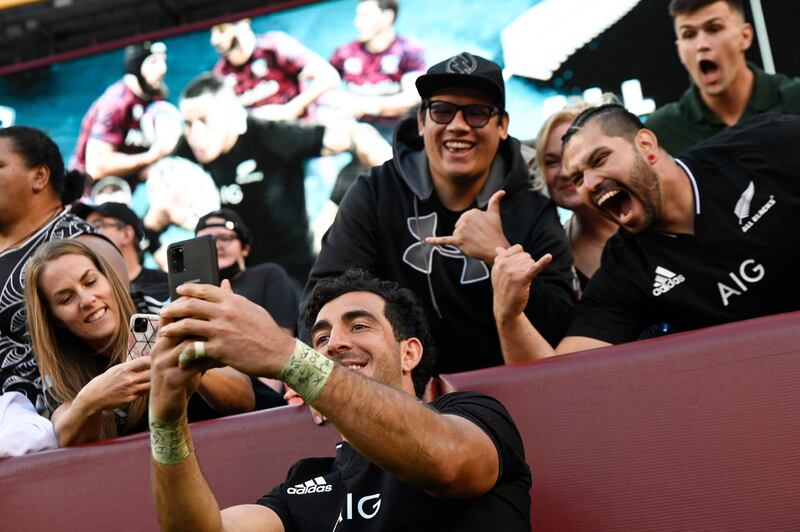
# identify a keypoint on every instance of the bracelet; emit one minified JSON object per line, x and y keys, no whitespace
{"x":168,"y":442}
{"x":306,"y":371}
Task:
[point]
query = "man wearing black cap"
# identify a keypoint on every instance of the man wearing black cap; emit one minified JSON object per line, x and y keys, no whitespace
{"x":433,"y":218}
{"x":111,"y":141}
{"x":266,"y":284}
{"x":117,"y":222}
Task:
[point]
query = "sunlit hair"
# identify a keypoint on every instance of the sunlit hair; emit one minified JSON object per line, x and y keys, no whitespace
{"x":65,"y":361}
{"x":553,"y":121}
{"x":566,"y":115}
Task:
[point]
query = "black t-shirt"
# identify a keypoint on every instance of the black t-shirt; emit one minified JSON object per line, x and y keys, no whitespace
{"x":261,"y":178}
{"x":18,"y":369}
{"x":269,"y":286}
{"x":350,"y":493}
{"x":741,"y":262}
{"x":150,"y":290}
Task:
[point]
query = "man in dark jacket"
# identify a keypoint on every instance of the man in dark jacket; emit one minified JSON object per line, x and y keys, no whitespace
{"x":433,"y":218}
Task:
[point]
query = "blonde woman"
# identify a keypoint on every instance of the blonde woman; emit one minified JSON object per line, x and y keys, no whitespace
{"x":78,"y":312}
{"x":586,"y":229}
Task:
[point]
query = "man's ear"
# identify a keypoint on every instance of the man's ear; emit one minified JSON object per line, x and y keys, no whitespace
{"x":504,"y":126}
{"x":746,"y":36}
{"x":246,"y":250}
{"x":130,"y":234}
{"x":410,"y":354}
{"x":421,"y":122}
{"x":41,"y":178}
{"x":647,"y":144}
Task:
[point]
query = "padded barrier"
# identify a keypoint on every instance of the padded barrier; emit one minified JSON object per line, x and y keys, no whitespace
{"x":106,"y":486}
{"x":694,"y":432}
{"x":698,"y":431}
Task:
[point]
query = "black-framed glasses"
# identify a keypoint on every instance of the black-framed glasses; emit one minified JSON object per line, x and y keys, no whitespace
{"x":476,"y":115}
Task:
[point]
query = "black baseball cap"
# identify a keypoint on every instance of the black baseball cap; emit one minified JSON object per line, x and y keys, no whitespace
{"x":465,"y":70}
{"x":111,"y":209}
{"x":233,"y":222}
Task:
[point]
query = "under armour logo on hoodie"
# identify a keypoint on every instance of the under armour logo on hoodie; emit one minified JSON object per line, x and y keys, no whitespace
{"x":420,"y":254}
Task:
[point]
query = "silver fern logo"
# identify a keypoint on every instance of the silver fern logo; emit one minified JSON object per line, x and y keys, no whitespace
{"x":742,"y":209}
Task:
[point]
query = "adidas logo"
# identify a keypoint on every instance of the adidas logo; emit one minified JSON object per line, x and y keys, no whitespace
{"x":666,"y":281}
{"x":315,"y":485}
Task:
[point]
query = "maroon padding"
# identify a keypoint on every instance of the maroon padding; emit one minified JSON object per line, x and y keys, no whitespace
{"x":697,"y":431}
{"x":107,"y":486}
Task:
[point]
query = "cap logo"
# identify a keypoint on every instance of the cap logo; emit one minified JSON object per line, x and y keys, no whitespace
{"x":464,"y":63}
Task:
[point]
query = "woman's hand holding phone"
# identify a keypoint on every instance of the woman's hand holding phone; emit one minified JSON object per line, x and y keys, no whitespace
{"x":117,"y":386}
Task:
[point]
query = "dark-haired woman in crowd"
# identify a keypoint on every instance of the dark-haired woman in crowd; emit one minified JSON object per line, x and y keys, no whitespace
{"x":35,"y":192}
{"x":78,"y":314}
{"x":586,"y":229}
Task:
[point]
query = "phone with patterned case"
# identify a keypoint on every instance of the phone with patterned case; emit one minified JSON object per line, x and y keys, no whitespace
{"x":142,"y":337}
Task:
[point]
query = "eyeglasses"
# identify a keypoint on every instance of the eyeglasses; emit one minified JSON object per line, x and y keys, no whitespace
{"x":225,"y":239}
{"x":475,"y":115}
{"x":102,"y":225}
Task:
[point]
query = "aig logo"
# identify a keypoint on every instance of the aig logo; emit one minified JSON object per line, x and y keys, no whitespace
{"x":750,"y":272}
{"x":366,"y":508}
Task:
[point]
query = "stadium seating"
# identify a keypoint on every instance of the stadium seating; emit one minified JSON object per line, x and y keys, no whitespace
{"x":697,"y":431}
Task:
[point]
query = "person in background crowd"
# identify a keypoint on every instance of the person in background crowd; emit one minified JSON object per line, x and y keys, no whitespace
{"x":78,"y":314}
{"x":456,"y":464}
{"x":265,"y":284}
{"x":258,"y":167}
{"x":378,"y":69}
{"x":273,"y":75}
{"x":702,"y":238}
{"x":587,"y":231}
{"x":432,"y":218}
{"x":111,"y":141}
{"x":149,"y":288}
{"x":378,"y":72}
{"x":712,"y":38}
{"x":34,"y":189}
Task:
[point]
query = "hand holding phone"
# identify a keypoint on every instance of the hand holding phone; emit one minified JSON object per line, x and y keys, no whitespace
{"x":142,"y":337}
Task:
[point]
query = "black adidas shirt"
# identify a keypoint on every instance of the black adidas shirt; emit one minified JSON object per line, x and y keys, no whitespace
{"x":743,"y":259}
{"x":350,"y":493}
{"x":262,"y":179}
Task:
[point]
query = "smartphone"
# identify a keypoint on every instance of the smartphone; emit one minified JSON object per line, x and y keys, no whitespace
{"x":192,"y":261}
{"x":142,"y":337}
